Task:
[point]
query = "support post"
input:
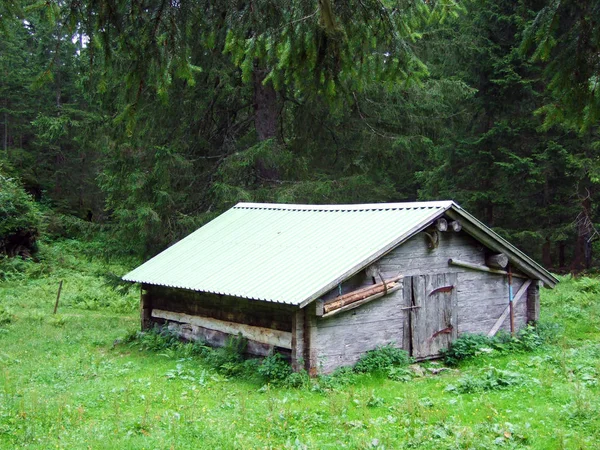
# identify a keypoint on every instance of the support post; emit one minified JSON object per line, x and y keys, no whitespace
{"x":533,"y":302}
{"x":310,"y":339}
{"x":145,"y":309}
{"x":298,"y":340}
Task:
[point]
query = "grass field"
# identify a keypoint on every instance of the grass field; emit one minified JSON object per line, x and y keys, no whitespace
{"x":66,"y":381}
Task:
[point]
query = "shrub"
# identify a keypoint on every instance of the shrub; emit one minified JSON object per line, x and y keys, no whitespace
{"x":275,"y":368}
{"x":470,"y":345}
{"x":20,"y":219}
{"x":491,"y":379}
{"x":381,"y":359}
{"x":466,"y":346}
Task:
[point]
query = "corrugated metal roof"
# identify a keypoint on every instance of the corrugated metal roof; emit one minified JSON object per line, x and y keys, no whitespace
{"x":285,"y":253}
{"x":295,"y":253}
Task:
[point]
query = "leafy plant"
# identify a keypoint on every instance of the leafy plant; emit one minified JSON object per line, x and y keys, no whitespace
{"x":491,"y":379}
{"x":275,"y":368}
{"x":20,"y":218}
{"x":466,"y":346}
{"x":381,"y":359}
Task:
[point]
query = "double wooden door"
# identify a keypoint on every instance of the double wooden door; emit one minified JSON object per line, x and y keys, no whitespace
{"x":433,"y":314}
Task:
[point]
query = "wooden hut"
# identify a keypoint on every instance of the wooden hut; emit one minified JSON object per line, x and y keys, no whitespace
{"x":324,"y":284}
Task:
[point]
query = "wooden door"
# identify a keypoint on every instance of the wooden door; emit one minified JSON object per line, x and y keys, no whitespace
{"x":433,"y":321}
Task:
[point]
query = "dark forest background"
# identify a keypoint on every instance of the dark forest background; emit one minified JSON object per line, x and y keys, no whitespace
{"x":140,"y":120}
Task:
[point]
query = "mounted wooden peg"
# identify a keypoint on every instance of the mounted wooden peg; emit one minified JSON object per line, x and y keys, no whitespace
{"x":441,"y":224}
{"x":497,"y":261}
{"x":456,"y":226}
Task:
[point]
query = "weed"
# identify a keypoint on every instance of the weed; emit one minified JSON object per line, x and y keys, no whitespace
{"x":490,"y":379}
{"x":275,"y":368}
{"x":382,"y":359}
{"x":6,"y":316}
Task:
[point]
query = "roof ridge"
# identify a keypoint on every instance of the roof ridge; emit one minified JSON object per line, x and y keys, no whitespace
{"x":346,"y":207}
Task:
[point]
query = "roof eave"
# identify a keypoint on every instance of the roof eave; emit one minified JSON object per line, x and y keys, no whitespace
{"x":494,"y":241}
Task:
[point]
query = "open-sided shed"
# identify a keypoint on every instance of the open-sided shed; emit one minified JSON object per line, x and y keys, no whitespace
{"x":326,"y":283}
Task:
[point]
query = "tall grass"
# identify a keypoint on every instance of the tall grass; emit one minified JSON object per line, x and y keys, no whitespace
{"x":85,"y":379}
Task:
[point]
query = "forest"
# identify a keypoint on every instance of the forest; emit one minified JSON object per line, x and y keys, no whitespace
{"x":140,"y":120}
{"x":127,"y":124}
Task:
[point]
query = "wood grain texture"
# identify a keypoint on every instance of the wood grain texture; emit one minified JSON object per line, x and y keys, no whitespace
{"x":268,"y":336}
{"x":343,"y":338}
{"x":232,"y":309}
{"x":434,"y":324}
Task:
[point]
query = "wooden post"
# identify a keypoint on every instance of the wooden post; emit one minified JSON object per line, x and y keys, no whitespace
{"x":145,"y":309}
{"x":310,"y":340}
{"x":533,"y":302}
{"x":58,"y":296}
{"x":298,"y":340}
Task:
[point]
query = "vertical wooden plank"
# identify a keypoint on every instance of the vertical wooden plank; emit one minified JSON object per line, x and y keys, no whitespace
{"x":407,"y":293}
{"x":145,"y":309}
{"x":298,"y":340}
{"x":533,"y":302}
{"x":434,"y":321}
{"x":310,"y":339}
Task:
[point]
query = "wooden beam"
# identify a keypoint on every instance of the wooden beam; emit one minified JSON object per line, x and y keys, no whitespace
{"x":497,"y":261}
{"x":506,"y":311}
{"x":456,"y":226}
{"x":361,"y":302}
{"x":269,"y":336}
{"x":468,"y":265}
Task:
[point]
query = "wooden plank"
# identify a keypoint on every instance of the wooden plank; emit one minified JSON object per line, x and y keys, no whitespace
{"x":504,"y":315}
{"x":230,"y":309}
{"x":359,"y":294}
{"x":269,"y":336}
{"x":435,"y":324}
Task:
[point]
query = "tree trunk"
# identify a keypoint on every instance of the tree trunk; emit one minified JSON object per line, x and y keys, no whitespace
{"x":583,"y":246}
{"x":266,"y":106}
{"x":546,"y":257}
{"x":266,"y":118}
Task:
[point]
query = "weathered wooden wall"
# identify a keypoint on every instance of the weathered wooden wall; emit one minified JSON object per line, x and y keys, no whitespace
{"x":267,"y":315}
{"x":343,"y":338}
{"x":481,"y":298}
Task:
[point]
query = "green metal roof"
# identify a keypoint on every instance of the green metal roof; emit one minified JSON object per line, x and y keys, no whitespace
{"x":288,"y":253}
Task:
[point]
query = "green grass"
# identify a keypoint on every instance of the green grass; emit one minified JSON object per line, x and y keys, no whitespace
{"x":64,"y":383}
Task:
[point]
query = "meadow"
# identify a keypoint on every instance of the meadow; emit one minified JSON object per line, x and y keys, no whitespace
{"x":84,"y":379}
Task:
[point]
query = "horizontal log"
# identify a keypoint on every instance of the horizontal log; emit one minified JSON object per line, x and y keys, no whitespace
{"x":468,"y":265}
{"x":497,"y":261}
{"x":441,"y":224}
{"x":361,"y":302}
{"x":366,"y":289}
{"x":269,"y":336}
{"x":360,"y":294}
{"x":456,"y":226}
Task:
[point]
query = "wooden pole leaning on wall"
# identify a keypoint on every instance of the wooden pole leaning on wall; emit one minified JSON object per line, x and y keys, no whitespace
{"x":511,"y":303}
{"x":58,"y":297}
